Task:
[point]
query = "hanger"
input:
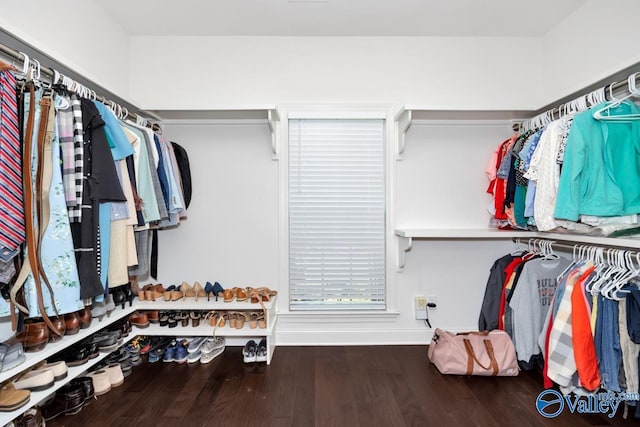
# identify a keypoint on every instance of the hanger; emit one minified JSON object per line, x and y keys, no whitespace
{"x":605,"y":113}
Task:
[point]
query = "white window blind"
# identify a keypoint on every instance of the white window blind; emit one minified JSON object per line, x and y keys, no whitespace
{"x":336,"y":214}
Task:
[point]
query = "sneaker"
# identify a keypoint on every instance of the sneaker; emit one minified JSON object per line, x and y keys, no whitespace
{"x":249,"y":352}
{"x":155,"y":355}
{"x":212,"y":344}
{"x":261,"y":352}
{"x":169,"y":354}
{"x":194,"y":357}
{"x":195,"y":344}
{"x":208,"y":357}
{"x":181,"y":352}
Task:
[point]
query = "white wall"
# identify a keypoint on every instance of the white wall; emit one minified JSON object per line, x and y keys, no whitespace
{"x":456,"y":73}
{"x":441,"y":181}
{"x":231,"y":235}
{"x":597,"y":40}
{"x":78,"y":34}
{"x":232,"y":232}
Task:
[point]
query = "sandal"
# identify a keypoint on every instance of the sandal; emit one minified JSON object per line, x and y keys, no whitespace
{"x":184,"y":317}
{"x":262,"y":323}
{"x":172,"y":322}
{"x":241,"y":294}
{"x":253,"y":319}
{"x":163,"y":318}
{"x":229,"y":294}
{"x":212,"y":317}
{"x":224,"y":318}
{"x":232,"y":319}
{"x":240,"y":319}
{"x":195,"y":318}
{"x":167,"y":292}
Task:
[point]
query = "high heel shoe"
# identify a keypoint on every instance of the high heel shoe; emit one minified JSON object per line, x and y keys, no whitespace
{"x":217,"y":290}
{"x":98,"y":310}
{"x":117,"y":296}
{"x":198,"y":290}
{"x":128,"y":294}
{"x":208,"y":289}
{"x":187,"y":290}
{"x":110,"y":304}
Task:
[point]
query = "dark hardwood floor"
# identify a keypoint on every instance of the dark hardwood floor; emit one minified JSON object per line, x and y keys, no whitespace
{"x":322,"y":386}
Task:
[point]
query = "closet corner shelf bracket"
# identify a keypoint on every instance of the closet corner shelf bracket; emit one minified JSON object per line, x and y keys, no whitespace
{"x":404,"y":245}
{"x":403,"y":121}
{"x":273,"y":118}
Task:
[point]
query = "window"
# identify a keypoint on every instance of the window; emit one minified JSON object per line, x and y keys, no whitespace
{"x":336,"y":214}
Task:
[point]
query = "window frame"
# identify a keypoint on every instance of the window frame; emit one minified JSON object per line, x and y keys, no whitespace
{"x":391,"y":247}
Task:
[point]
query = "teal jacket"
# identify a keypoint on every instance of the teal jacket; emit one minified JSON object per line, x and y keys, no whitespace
{"x":601,"y":171}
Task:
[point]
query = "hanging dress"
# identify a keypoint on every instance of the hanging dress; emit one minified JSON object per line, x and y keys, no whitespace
{"x":56,"y":247}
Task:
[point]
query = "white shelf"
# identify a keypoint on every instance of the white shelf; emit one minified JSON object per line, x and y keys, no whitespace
{"x":268,"y":112}
{"x":462,"y":233}
{"x":406,"y":236}
{"x":202,"y":304}
{"x":409,"y":113}
{"x":38,"y":397}
{"x":66,"y":341}
{"x":206,"y":330}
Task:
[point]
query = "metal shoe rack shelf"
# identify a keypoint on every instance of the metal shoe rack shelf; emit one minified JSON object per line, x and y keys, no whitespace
{"x":233,"y":337}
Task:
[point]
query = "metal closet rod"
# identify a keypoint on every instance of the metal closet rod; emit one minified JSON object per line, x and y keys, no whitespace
{"x":49,"y":72}
{"x":618,"y":87}
{"x":610,"y":88}
{"x":570,"y":246}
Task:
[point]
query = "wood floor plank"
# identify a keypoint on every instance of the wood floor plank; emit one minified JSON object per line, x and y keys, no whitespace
{"x":322,"y":386}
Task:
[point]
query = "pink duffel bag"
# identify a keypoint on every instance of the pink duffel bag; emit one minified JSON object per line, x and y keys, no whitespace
{"x":489,"y":353}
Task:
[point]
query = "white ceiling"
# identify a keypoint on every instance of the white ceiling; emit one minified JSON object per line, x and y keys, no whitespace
{"x":501,"y":18}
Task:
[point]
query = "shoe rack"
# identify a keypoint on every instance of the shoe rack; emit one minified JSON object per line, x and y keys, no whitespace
{"x":38,"y":397}
{"x":233,"y":336}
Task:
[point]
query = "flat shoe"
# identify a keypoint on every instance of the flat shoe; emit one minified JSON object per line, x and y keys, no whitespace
{"x":12,"y":399}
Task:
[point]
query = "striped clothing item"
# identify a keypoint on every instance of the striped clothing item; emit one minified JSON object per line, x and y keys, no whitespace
{"x":75,"y":210}
{"x":64,"y":118}
{"x":12,"y":223}
{"x":562,"y":363}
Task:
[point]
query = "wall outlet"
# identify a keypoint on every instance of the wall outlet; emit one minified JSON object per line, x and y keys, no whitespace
{"x":420,"y":304}
{"x":432,"y":301}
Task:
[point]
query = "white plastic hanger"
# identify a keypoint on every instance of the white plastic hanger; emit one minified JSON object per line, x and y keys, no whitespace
{"x":605,"y":113}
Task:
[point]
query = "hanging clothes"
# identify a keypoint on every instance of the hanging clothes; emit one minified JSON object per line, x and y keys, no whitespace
{"x":102,"y":180}
{"x":601,"y":169}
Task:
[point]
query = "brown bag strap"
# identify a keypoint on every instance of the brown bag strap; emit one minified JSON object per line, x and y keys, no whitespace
{"x":482,"y":333}
{"x":493,"y":363}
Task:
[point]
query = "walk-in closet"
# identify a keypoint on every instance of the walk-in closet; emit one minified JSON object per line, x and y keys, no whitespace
{"x":311,"y":212}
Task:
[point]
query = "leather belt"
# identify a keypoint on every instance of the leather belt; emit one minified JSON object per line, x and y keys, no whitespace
{"x":32,"y":264}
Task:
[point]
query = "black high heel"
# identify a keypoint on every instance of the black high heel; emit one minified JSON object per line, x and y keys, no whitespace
{"x":118,"y":296}
{"x":128,"y":293}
